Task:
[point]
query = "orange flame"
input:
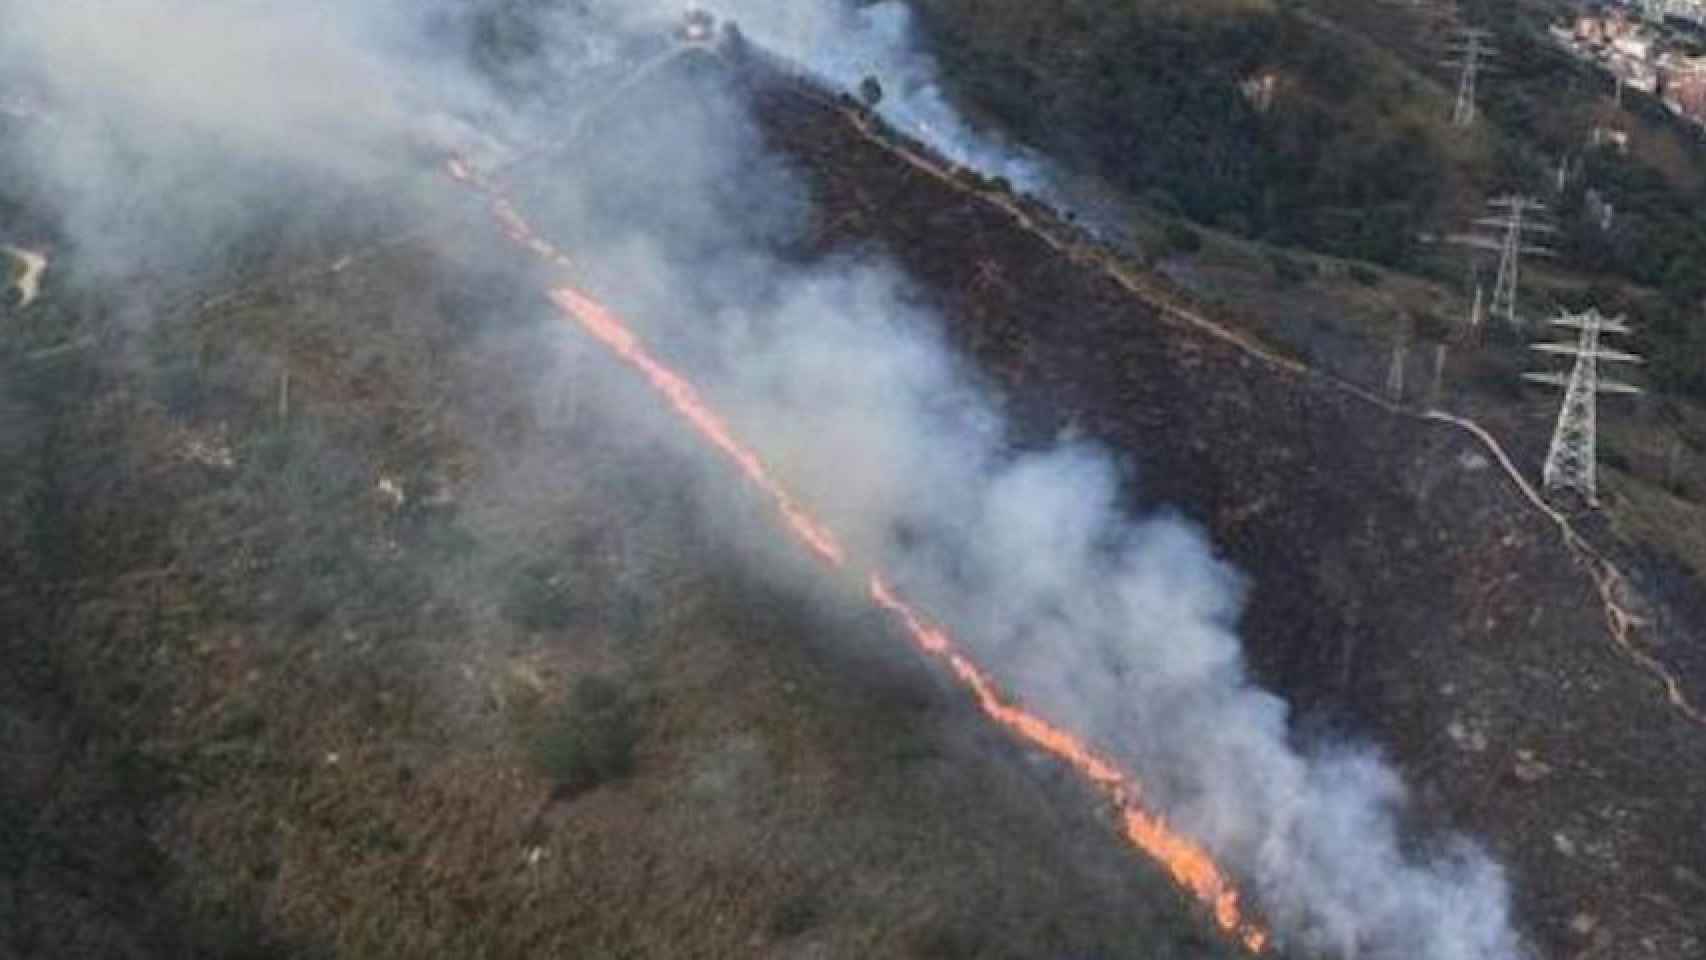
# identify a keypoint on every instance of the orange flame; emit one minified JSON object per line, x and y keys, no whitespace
{"x":604,"y":325}
{"x":1188,"y":863}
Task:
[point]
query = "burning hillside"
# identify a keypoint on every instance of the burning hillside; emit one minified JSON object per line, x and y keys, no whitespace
{"x":1184,"y":860}
{"x":890,"y":363}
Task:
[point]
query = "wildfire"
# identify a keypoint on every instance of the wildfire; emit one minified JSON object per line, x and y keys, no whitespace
{"x":604,"y":325}
{"x":1188,"y":863}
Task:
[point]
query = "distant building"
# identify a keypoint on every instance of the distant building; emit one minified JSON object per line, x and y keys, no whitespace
{"x":698,"y":26}
{"x":1259,"y":90}
{"x":1658,"y":11}
{"x":1638,"y":44}
{"x":1685,"y":87}
{"x":1634,"y":46}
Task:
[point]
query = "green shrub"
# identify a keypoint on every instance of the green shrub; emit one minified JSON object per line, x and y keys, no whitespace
{"x":871,"y":91}
{"x":180,"y":389}
{"x":795,"y":915}
{"x":1680,"y":488}
{"x":1180,"y":238}
{"x":1162,"y":202}
{"x":1288,"y":271}
{"x":1364,"y":275}
{"x":540,"y":597}
{"x":1432,"y":327}
{"x":588,"y":739}
{"x":950,"y":943}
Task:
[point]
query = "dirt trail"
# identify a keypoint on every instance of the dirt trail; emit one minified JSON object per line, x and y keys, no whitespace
{"x":1612,"y":585}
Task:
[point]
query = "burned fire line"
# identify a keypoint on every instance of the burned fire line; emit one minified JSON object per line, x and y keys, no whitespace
{"x":1189,"y":865}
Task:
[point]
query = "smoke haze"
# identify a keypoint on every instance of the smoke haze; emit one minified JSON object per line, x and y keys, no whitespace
{"x":179,"y":122}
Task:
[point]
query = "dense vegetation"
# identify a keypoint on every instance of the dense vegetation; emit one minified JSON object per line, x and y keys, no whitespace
{"x":1354,"y":155}
{"x":1350,"y":157}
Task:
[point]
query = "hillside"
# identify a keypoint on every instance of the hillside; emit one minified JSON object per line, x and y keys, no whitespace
{"x":1247,"y":206}
{"x":1479,"y":650}
{"x":409,"y":658}
{"x":359,"y":606}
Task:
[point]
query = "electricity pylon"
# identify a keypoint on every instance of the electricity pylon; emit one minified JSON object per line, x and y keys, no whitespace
{"x":1571,"y":460}
{"x":1468,"y":51}
{"x":1512,"y":228}
{"x":1517,"y":241}
{"x":1395,"y":374}
{"x":1436,"y":393}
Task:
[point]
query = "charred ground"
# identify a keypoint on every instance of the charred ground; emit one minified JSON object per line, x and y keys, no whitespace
{"x":260,"y":706}
{"x":1402,"y":587}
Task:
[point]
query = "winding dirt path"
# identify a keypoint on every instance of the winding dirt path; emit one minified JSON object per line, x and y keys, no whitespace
{"x":1612,"y":585}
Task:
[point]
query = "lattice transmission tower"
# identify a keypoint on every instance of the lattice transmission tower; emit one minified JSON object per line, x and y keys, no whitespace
{"x":1571,"y":461}
{"x":1470,"y":52}
{"x":1400,"y":357}
{"x":1477,"y":319}
{"x":1514,"y":227}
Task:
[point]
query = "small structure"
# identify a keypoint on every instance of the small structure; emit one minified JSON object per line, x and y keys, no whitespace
{"x":1259,"y":91}
{"x":1685,"y":87}
{"x":698,"y":26}
{"x":1610,"y":137}
{"x":24,"y":283}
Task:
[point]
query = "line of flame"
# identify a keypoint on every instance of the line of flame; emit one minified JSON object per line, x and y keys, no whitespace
{"x":1186,"y":861}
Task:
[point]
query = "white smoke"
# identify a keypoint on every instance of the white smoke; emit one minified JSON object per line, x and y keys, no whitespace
{"x":172,"y":123}
{"x":1120,"y":627}
{"x":842,"y":44}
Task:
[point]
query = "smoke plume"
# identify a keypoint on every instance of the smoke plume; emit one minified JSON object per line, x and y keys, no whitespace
{"x":178,"y":122}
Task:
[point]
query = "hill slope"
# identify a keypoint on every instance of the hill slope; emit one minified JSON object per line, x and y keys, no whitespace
{"x":1401,"y":583}
{"x":343,"y":629}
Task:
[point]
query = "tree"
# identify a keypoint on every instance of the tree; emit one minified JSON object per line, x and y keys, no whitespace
{"x":871,"y":91}
{"x":1685,"y":279}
